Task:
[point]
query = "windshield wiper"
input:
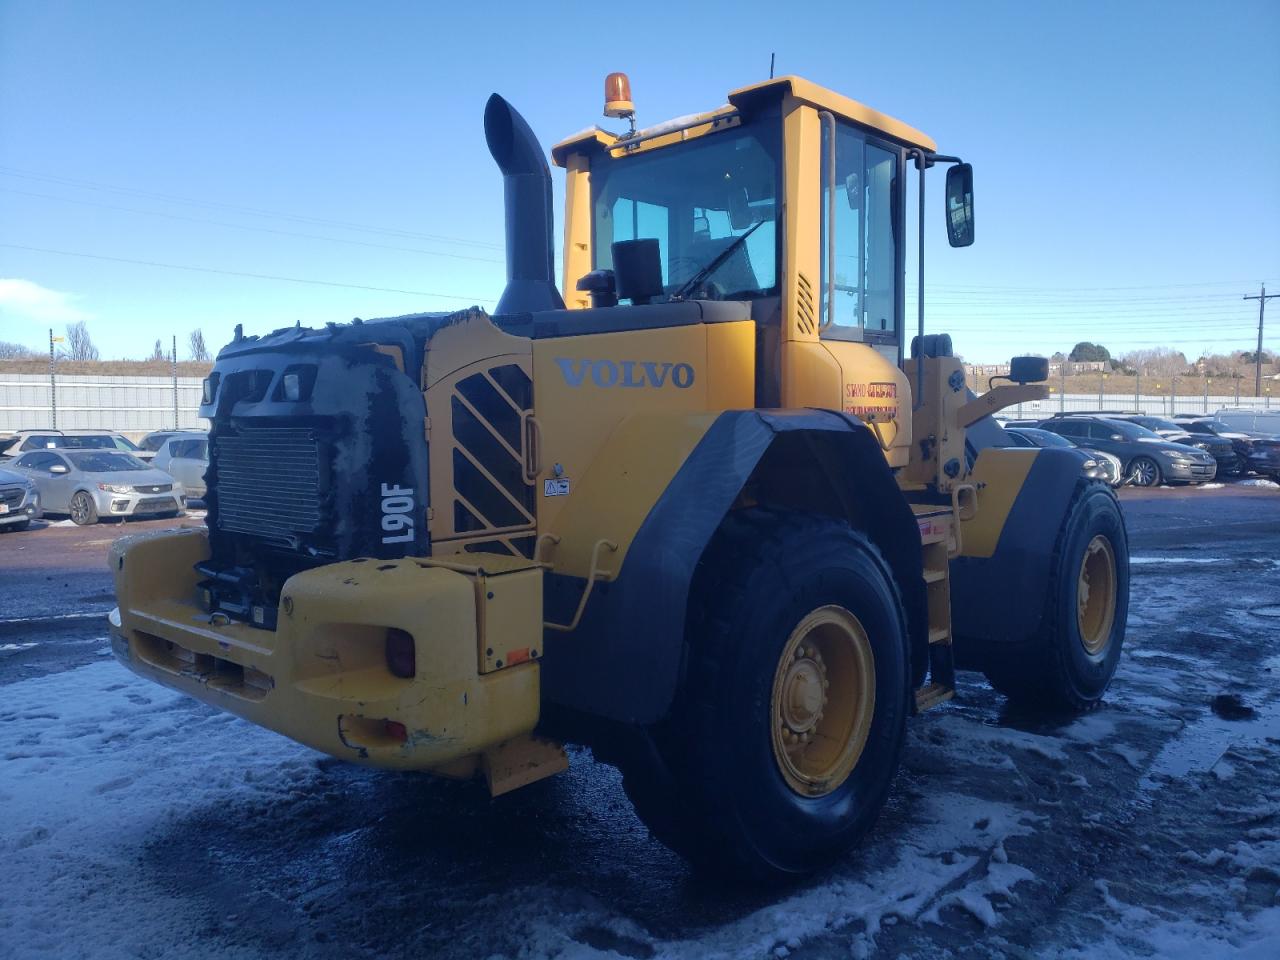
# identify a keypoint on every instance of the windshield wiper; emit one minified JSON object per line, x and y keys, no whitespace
{"x":692,"y":283}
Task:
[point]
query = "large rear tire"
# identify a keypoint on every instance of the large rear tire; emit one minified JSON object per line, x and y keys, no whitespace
{"x":1068,"y":664}
{"x":788,"y":728}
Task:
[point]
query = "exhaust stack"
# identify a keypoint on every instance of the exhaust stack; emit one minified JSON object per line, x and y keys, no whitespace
{"x":527,"y":184}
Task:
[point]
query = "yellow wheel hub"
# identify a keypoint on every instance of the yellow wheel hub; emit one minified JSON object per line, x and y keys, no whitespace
{"x":824,"y":696}
{"x":1096,"y":595}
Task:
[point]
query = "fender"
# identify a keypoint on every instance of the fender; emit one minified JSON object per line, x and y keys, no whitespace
{"x":998,"y":584}
{"x":624,"y":660}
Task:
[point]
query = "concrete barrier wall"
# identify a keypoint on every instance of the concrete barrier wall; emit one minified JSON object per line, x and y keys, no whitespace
{"x":141,"y":404}
{"x":1152,"y":404}
{"x":127,"y":404}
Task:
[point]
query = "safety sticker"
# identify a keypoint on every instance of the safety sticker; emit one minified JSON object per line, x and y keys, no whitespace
{"x":558,"y":487}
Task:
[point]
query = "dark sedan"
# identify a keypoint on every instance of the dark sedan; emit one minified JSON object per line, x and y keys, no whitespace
{"x":1230,"y":460}
{"x":1259,"y":452}
{"x":1147,"y":458}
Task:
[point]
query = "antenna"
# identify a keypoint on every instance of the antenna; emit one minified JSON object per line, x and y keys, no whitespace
{"x":771,"y":56}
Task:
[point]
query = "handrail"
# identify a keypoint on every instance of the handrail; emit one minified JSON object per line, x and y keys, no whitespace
{"x":531,"y":436}
{"x":595,"y":574}
{"x":829,"y":121}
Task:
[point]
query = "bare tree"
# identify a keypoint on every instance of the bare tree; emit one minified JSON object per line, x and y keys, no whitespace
{"x":15,"y":351}
{"x":157,"y":352}
{"x":79,"y":345}
{"x":1157,"y":362}
{"x":199,"y":351}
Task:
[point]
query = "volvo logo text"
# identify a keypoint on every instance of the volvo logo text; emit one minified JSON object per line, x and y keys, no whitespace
{"x":626,"y":373}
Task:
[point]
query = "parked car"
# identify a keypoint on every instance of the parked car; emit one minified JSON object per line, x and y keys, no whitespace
{"x":1097,"y":465}
{"x":1146,"y":458}
{"x":27,"y":440}
{"x":1259,"y":451}
{"x":89,"y":484}
{"x":19,"y":500}
{"x":1230,"y":460}
{"x":153,"y":441}
{"x":185,"y":457}
{"x":1246,"y":420}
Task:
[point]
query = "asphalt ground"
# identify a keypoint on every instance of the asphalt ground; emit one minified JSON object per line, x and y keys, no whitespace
{"x":1152,"y":821}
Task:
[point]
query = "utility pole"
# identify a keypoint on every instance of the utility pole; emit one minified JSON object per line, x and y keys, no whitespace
{"x":176,"y":425}
{"x":53,"y":384}
{"x":1262,"y":299}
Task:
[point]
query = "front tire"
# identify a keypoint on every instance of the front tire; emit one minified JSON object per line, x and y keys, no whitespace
{"x":1068,"y":664}
{"x":84,"y":512}
{"x":788,"y":728}
{"x":1144,"y":472}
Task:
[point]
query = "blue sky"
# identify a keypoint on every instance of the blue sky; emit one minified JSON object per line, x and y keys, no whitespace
{"x":1127,"y":186}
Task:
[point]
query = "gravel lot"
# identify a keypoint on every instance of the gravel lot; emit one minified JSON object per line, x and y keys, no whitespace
{"x":137,"y":823}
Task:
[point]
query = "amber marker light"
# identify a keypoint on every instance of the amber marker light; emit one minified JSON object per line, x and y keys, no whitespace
{"x":617,"y":96}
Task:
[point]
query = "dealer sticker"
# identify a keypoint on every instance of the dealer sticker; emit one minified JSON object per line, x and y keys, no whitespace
{"x":558,"y":487}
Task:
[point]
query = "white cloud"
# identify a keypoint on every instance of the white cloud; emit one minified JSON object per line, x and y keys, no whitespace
{"x":26,"y":300}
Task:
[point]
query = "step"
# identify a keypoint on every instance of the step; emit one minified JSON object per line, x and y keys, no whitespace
{"x":933,"y":694}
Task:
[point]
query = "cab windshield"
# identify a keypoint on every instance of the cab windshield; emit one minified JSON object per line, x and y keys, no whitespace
{"x":697,"y":198}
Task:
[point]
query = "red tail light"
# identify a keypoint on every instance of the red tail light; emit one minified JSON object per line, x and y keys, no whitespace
{"x":401,"y":656}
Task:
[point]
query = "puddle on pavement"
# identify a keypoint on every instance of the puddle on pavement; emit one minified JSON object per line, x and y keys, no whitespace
{"x":1203,"y":742}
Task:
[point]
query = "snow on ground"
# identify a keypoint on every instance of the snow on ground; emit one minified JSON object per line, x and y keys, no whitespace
{"x":95,"y":760}
{"x":97,"y":763}
{"x":135,"y":822}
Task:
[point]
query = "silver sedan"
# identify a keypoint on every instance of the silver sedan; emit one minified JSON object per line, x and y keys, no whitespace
{"x":90,"y":484}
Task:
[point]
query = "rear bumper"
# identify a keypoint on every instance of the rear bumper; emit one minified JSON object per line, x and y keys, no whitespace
{"x":321,"y":677}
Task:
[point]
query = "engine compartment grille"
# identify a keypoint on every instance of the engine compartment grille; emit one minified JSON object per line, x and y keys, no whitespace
{"x":268,"y":482}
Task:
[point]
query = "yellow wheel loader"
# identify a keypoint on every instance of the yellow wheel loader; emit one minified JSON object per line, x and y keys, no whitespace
{"x":700,"y":508}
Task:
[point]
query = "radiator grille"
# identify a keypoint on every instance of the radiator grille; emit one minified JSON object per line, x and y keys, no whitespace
{"x":12,"y":496}
{"x":268,"y":483}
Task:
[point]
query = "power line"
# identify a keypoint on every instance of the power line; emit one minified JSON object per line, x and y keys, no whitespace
{"x":251,"y":211}
{"x":242,"y":226}
{"x":242,"y":273}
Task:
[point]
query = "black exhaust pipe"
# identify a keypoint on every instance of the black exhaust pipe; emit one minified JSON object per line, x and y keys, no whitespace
{"x":527,"y":183}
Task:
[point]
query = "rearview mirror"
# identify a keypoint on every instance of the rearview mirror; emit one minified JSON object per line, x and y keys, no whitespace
{"x":1117,"y":436}
{"x":58,"y":468}
{"x":960,"y":205}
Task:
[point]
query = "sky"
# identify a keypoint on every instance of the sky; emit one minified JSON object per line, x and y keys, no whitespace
{"x":172,"y":166}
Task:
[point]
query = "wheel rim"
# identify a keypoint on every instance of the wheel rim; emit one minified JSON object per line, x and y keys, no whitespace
{"x":1143,"y":472}
{"x":824,"y":697}
{"x":79,"y":508}
{"x":1096,"y":595}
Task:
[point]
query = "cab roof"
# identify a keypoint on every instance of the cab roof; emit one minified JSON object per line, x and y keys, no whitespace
{"x":744,"y":98}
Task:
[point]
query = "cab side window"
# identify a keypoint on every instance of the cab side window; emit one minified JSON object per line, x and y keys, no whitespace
{"x":865,"y":296}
